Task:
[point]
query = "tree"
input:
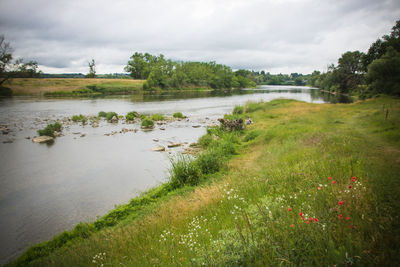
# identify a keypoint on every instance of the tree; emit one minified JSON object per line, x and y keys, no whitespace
{"x":384,"y":73}
{"x":92,"y":69}
{"x":10,"y":69}
{"x":350,"y":71}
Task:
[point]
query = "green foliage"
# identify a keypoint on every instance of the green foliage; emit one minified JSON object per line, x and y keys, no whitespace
{"x":147,"y":123}
{"x":238,"y":110}
{"x":5,"y":91}
{"x":384,"y":73}
{"x":184,"y":171}
{"x":157,"y":117}
{"x":178,"y":115}
{"x":102,"y":114}
{"x":210,"y":161}
{"x":76,"y":118}
{"x":49,"y":129}
{"x":251,"y":135}
{"x":110,"y":115}
{"x":132,"y":115}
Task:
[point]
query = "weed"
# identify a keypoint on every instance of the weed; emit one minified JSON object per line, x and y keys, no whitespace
{"x":157,"y":117}
{"x":178,"y":115}
{"x":147,"y":123}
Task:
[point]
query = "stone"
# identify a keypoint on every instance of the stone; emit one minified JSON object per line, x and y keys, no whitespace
{"x":174,"y":145}
{"x":42,"y":139}
{"x":114,"y":119}
{"x":162,"y":129}
{"x":159,"y":148}
{"x":155,"y":140}
{"x":83,"y":135}
{"x":196,"y":126}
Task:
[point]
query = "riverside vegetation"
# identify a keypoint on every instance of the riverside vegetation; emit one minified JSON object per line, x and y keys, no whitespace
{"x":305,"y":184}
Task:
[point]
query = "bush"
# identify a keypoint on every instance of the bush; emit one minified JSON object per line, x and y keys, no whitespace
{"x":178,"y":115}
{"x":132,"y":115}
{"x":77,"y":118}
{"x":210,"y":162}
{"x":184,"y":171}
{"x":147,"y":123}
{"x":157,"y":117}
{"x":205,"y":140}
{"x":102,"y":114}
{"x":49,"y":129}
{"x":238,"y":110}
{"x":110,"y":115}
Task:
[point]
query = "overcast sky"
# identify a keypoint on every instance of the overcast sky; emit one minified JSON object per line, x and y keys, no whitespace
{"x":272,"y":35}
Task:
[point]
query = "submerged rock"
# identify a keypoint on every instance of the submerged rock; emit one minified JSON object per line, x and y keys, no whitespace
{"x":174,"y":145}
{"x":159,"y":148}
{"x":42,"y":139}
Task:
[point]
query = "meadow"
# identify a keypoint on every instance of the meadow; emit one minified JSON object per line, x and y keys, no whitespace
{"x":65,"y":86}
{"x":305,"y":184}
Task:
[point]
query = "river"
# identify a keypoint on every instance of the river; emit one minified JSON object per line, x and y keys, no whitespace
{"x":46,"y":189}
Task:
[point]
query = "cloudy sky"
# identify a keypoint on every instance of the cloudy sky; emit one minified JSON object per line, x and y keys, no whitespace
{"x":273,"y":35}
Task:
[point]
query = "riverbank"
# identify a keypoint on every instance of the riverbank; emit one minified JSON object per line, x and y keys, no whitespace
{"x":65,"y":86}
{"x":309,"y":184}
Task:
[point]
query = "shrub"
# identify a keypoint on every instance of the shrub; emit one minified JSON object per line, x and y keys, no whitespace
{"x":147,"y":123}
{"x":132,"y":115}
{"x":110,"y":115}
{"x":157,"y":117}
{"x":178,"y":115}
{"x":49,"y":129}
{"x":184,"y":171}
{"x":77,"y":118}
{"x":102,"y":114}
{"x":238,"y":110}
{"x":210,"y":162}
{"x":205,"y":140}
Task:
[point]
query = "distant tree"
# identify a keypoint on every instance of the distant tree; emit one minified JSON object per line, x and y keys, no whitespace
{"x":384,"y":73}
{"x":92,"y":69}
{"x":9,"y":68}
{"x":350,"y":71}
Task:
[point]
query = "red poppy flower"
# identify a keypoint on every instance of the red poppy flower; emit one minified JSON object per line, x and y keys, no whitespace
{"x":330,"y":178}
{"x":353,"y":179}
{"x":316,"y":220}
{"x":350,"y":186}
{"x":347,"y":218}
{"x":340,"y":216}
{"x":289,"y":209}
{"x":341,"y":203}
{"x":301,"y":214}
{"x":333,"y":182}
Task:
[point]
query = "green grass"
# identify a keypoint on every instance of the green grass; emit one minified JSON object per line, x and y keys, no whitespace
{"x":157,"y":117}
{"x":246,"y":212}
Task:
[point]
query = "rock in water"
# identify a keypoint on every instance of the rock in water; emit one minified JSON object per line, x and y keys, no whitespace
{"x":114,"y":119}
{"x":173,"y":145}
{"x":42,"y":139}
{"x":159,"y":148}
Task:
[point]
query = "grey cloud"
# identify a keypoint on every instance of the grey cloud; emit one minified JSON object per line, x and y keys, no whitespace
{"x":292,"y":35}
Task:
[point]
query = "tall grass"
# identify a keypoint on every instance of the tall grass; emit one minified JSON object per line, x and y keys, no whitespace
{"x":257,"y":209}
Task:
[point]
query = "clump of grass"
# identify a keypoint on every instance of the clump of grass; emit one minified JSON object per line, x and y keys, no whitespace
{"x":184,"y":171}
{"x":238,"y":110}
{"x":131,"y":116}
{"x":102,"y":114}
{"x":50,"y":129}
{"x":157,"y":117}
{"x":110,"y":115}
{"x":147,"y":123}
{"x":252,"y":135}
{"x":76,"y":118}
{"x":178,"y":115}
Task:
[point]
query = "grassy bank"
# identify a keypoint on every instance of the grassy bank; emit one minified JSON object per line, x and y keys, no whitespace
{"x":66,"y":86}
{"x":306,"y":184}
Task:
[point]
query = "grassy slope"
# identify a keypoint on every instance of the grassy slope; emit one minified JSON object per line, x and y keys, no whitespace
{"x":23,"y":86}
{"x":241,"y":215}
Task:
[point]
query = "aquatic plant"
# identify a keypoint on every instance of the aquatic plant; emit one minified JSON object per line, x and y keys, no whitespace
{"x":178,"y":115}
{"x":147,"y":123}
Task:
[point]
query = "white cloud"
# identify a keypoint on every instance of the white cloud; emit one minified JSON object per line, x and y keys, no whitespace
{"x":277,"y":36}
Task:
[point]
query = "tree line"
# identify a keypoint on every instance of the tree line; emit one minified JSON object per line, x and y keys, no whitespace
{"x":365,"y":74}
{"x":162,"y":73}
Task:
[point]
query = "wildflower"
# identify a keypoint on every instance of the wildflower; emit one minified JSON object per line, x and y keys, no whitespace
{"x":341,"y":203}
{"x":310,"y":219}
{"x":319,"y":188}
{"x":301,"y":214}
{"x":330,"y":178}
{"x":350,"y":186}
{"x":292,"y":225}
{"x":333,"y":182}
{"x":347,"y":218}
{"x":289,"y":209}
{"x":353,"y":179}
{"x":340,"y":216}
{"x":316,"y":220}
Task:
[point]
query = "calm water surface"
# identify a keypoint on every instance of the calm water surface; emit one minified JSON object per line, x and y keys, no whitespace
{"x":46,"y":189}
